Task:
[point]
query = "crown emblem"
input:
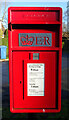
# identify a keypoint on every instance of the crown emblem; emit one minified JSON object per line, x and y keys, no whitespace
{"x":27,"y":40}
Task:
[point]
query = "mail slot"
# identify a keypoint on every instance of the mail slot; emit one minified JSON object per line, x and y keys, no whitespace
{"x":35,"y":51}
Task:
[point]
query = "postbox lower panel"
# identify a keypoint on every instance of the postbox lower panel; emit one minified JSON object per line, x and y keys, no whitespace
{"x":21,"y":76}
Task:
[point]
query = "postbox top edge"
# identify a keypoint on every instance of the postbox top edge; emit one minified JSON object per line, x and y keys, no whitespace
{"x":34,"y":8}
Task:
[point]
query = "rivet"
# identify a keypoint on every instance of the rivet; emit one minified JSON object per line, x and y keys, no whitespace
{"x":43,"y":110}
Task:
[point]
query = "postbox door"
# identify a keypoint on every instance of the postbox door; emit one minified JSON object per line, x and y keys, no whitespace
{"x":34,"y":79}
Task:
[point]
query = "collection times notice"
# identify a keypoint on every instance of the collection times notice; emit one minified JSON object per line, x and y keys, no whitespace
{"x":35,"y":79}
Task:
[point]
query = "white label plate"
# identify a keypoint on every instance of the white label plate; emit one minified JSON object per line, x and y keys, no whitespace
{"x":35,"y":79}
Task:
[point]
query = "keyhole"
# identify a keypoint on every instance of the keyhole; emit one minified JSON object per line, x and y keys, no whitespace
{"x":20,"y":82}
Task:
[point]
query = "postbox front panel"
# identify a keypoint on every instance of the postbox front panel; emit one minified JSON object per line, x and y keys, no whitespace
{"x":34,"y":81}
{"x":35,"y":51}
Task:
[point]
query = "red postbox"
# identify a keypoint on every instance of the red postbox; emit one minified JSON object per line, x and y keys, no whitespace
{"x":35,"y":50}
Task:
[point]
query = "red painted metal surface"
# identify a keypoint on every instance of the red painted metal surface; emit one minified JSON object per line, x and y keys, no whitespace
{"x":35,"y":20}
